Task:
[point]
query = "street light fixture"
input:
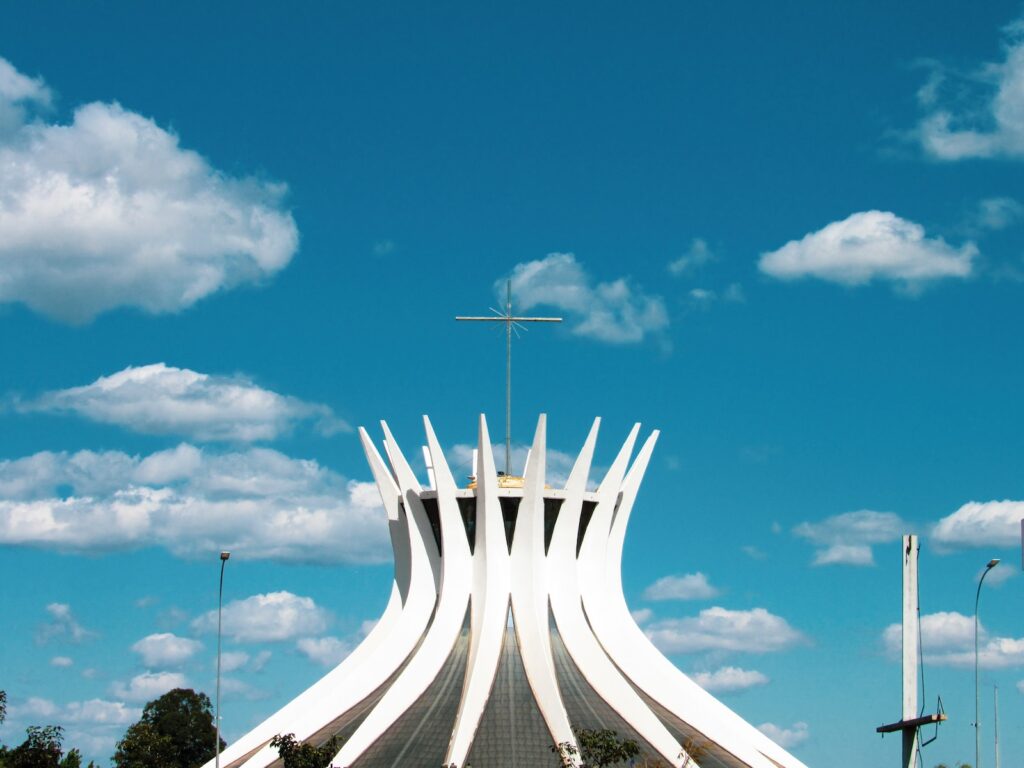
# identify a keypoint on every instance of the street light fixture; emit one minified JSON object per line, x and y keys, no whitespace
{"x":977,"y":704}
{"x":220,"y":602}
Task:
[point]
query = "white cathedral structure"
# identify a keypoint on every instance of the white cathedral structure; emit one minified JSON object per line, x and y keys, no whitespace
{"x":507,"y":627}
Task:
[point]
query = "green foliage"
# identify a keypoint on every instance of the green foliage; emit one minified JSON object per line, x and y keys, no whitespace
{"x":597,"y":748}
{"x":42,"y":748}
{"x":175,"y":731}
{"x":72,"y":759}
{"x":298,"y":755}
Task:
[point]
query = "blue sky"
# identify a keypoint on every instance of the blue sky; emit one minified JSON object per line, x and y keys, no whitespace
{"x":788,"y":235}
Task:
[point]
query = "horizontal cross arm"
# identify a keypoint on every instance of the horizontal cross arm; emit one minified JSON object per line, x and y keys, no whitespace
{"x":917,"y":722}
{"x":507,"y":319}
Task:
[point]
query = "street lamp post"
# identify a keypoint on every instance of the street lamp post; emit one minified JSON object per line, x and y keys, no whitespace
{"x":977,"y":702}
{"x":220,"y":602}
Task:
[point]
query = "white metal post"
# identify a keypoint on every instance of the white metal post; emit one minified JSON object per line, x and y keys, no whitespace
{"x":911,"y":622}
{"x":996,"y":697}
{"x":220,"y":603}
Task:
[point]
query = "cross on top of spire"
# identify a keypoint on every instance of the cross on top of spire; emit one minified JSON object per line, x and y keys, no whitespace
{"x":511,"y":321}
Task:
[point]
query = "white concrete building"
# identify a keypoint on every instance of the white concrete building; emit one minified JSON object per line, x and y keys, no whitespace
{"x":507,"y":627}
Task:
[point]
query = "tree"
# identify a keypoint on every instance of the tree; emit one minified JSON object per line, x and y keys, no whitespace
{"x":298,"y":755}
{"x":175,"y":731}
{"x":597,"y":748}
{"x":42,"y":748}
{"x":3,"y":706}
{"x":73,"y":759}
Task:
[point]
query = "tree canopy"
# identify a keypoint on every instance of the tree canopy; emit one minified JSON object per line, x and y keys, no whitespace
{"x":597,"y":748}
{"x":298,"y":755}
{"x":175,"y":731}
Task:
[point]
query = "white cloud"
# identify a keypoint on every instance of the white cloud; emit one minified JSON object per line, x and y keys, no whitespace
{"x":947,"y":639}
{"x":159,"y":399}
{"x":166,"y":649}
{"x":721,"y":629}
{"x":34,"y":706}
{"x":61,"y":662}
{"x":258,"y":502}
{"x":754,"y":553}
{"x":998,"y":213}
{"x":101,"y":712}
{"x":111,"y":211}
{"x":642,"y":615}
{"x":846,"y":539}
{"x":17,"y":93}
{"x":383,"y":247}
{"x":695,"y":257}
{"x":729,"y":679}
{"x":691,"y":586}
{"x":62,"y":626}
{"x":239,"y":689}
{"x":328,"y":651}
{"x":149,"y":685}
{"x":271,"y":617}
{"x":866,"y":246}
{"x":989,"y":121}
{"x":232,"y":660}
{"x":787,"y":738}
{"x":981,"y":524}
{"x":615,"y":312}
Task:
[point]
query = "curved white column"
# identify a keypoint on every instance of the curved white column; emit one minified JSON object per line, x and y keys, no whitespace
{"x":433,"y":589}
{"x":374,"y":660}
{"x":489,"y":613}
{"x":648,"y":668}
{"x":567,"y":606}
{"x":456,"y":574}
{"x":530,"y":595}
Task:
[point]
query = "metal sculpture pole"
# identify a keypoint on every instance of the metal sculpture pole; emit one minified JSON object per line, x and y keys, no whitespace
{"x":220,"y":602}
{"x":977,"y":701}
{"x":509,"y":320}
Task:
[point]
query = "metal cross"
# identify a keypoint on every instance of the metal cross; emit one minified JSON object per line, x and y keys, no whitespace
{"x":509,"y":320}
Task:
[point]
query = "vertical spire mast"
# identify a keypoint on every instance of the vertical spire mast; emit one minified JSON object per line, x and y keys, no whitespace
{"x":510,"y":321}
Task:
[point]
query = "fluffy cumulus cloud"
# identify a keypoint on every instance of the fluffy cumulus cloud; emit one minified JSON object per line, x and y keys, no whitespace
{"x":730,"y":679}
{"x":18,"y":93}
{"x":148,"y":686}
{"x":101,"y":712}
{"x":870,"y":245}
{"x":980,"y":113}
{"x":166,"y":649}
{"x":160,"y":399}
{"x":193,"y":503}
{"x":691,"y":586}
{"x":328,"y":651}
{"x":997,"y":213}
{"x":695,"y":257}
{"x":62,"y":625}
{"x":981,"y":524}
{"x":617,"y":312}
{"x":109,"y":211}
{"x":947,"y":639}
{"x":721,"y":629}
{"x":275,"y":616}
{"x":788,"y":738}
{"x":92,"y":712}
{"x":846,"y":539}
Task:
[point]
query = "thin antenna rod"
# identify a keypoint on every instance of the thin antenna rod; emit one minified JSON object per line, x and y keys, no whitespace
{"x":508,"y":380}
{"x":509,"y":320}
